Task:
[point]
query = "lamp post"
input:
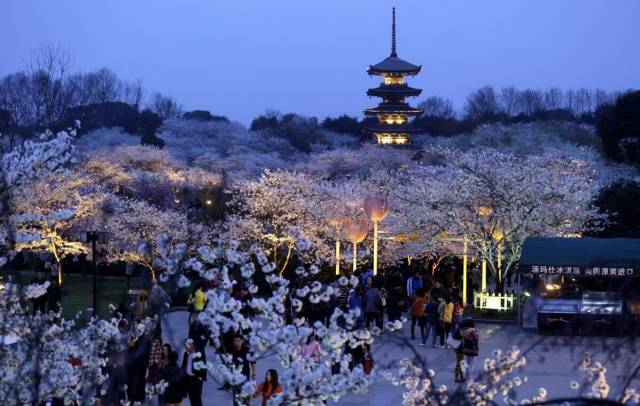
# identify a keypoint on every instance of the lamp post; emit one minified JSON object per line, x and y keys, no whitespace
{"x":356,"y":232}
{"x":484,"y":210}
{"x":377,"y":208}
{"x":464,"y":270}
{"x":94,"y":237}
{"x":336,"y":221}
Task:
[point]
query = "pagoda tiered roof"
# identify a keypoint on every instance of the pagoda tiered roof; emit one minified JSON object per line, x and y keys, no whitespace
{"x":393,"y":90}
{"x":393,"y":126}
{"x":392,"y":65}
{"x":393,"y":129}
{"x":385,"y":108}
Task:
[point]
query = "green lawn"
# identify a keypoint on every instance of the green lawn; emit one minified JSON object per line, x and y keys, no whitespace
{"x":77,"y":291}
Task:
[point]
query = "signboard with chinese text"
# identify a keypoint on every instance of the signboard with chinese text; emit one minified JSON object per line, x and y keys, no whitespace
{"x":611,"y":272}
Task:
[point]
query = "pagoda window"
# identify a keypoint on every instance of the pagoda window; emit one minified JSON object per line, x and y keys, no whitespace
{"x":387,"y":138}
{"x":393,"y":119}
{"x":393,"y":80}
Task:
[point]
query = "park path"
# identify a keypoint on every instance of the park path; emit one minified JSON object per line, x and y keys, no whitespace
{"x":551,"y":361}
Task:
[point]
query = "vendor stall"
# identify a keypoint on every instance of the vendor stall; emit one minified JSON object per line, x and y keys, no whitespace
{"x":581,"y":285}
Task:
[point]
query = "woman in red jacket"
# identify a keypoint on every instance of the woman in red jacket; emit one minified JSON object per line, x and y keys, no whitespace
{"x":269,"y":388}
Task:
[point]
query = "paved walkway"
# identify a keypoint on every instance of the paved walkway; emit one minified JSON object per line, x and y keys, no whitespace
{"x":551,"y":361}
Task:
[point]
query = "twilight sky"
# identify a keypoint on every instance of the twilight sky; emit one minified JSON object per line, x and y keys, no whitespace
{"x":243,"y":57}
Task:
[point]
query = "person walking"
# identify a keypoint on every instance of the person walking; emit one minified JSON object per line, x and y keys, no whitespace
{"x":154,"y":366}
{"x":458,"y":312}
{"x":195,"y":376}
{"x":199,"y":333}
{"x":366,"y":279}
{"x":413,"y":284}
{"x":432,"y":318}
{"x":311,"y":348}
{"x":240,"y":360}
{"x":137,"y":360}
{"x":356,"y":301}
{"x":374,"y":306}
{"x":343,"y":298}
{"x":270,"y":387}
{"x":394,"y":304}
{"x":417,"y":314}
{"x":54,"y":296}
{"x":196,"y":302}
{"x":159,"y":300}
{"x":445,"y":313}
{"x":468,"y":350}
{"x":175,"y":377}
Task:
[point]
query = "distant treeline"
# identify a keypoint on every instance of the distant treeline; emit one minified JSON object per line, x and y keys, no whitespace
{"x":47,"y":95}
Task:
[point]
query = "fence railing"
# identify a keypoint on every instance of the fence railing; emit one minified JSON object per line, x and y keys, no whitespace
{"x":494,"y":301}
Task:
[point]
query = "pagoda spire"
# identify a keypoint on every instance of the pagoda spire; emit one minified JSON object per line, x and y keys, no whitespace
{"x":393,"y":33}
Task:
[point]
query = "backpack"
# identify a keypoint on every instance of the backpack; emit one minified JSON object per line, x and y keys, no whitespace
{"x":469,"y":345}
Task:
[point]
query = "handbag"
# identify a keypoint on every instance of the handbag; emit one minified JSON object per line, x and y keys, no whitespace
{"x":367,"y":365}
{"x":453,"y":343}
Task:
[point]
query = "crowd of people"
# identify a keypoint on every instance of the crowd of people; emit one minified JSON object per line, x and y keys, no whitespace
{"x":435,"y":309}
{"x":432,"y":303}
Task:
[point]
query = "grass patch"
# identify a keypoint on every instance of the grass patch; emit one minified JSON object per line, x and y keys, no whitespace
{"x":77,"y":291}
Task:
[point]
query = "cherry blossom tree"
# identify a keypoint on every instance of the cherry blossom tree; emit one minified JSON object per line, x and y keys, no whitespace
{"x":49,"y":214}
{"x":134,"y":225}
{"x":497,"y":200}
{"x":27,"y":162}
{"x":45,"y":356}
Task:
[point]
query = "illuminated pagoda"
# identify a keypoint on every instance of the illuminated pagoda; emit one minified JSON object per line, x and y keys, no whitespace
{"x":393,"y":113}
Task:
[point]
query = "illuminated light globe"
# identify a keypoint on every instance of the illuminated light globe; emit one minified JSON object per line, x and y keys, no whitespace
{"x":377,"y":208}
{"x":356,"y":232}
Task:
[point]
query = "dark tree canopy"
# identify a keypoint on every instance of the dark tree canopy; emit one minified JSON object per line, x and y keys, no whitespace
{"x":620,"y":202}
{"x":267,"y":121}
{"x":108,"y":115}
{"x":301,"y":132}
{"x":343,"y":125}
{"x":203,"y":115}
{"x":619,"y":128}
{"x":149,"y":122}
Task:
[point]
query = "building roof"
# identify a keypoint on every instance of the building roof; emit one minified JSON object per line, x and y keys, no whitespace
{"x":581,"y":256}
{"x":393,"y":64}
{"x":394,"y":129}
{"x":394,"y":90}
{"x":394,"y":109}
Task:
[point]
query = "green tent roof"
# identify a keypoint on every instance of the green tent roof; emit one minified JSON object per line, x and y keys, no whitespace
{"x":587,"y":256}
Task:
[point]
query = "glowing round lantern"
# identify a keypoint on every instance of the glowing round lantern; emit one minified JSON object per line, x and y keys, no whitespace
{"x":376,"y":208}
{"x":356,"y":232}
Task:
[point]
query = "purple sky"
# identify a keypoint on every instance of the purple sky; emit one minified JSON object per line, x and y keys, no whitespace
{"x":241,"y":58}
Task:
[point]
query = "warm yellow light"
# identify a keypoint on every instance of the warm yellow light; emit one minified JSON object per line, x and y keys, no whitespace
{"x":385,"y":138}
{"x":497,"y":234}
{"x":393,"y":80}
{"x":209,"y":202}
{"x":552,"y":286}
{"x":485,"y":210}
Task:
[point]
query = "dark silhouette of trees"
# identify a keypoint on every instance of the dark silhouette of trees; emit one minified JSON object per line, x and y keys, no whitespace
{"x":203,"y":115}
{"x":620,"y":202}
{"x":619,"y":128}
{"x":165,"y":106}
{"x":343,"y":125}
